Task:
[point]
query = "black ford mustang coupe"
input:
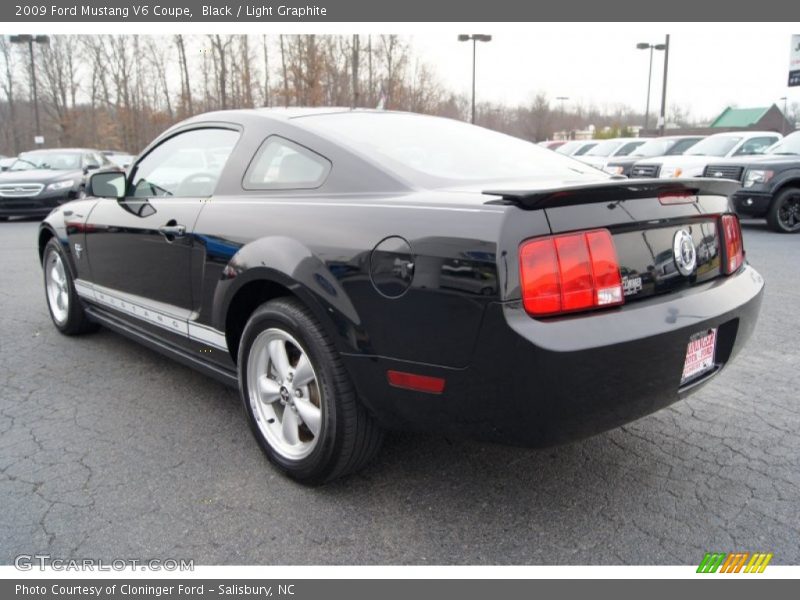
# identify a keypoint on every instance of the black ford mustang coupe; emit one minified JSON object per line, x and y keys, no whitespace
{"x":355,"y":270}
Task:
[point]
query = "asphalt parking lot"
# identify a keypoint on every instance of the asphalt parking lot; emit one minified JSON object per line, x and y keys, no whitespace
{"x":110,"y":450}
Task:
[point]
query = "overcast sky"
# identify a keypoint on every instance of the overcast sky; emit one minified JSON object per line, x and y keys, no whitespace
{"x":709,"y":67}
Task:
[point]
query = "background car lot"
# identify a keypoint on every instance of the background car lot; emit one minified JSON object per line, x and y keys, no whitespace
{"x":109,"y":450}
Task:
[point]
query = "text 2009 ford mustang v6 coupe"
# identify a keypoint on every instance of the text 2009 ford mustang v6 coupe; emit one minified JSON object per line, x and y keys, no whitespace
{"x":357,"y":270}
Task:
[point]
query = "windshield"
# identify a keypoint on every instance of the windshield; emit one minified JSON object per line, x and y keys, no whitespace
{"x":569,"y":147}
{"x":628,"y":148}
{"x":788,"y":145}
{"x":657,"y":147}
{"x":417,"y":146}
{"x":604,"y":148}
{"x":716,"y":145}
{"x":682,"y":145}
{"x":62,"y":161}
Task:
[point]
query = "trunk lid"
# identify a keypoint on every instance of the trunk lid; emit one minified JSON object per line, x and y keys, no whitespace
{"x":644,"y":223}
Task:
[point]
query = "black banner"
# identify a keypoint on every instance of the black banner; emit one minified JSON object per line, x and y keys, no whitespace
{"x":418,"y":589}
{"x":371,"y":11}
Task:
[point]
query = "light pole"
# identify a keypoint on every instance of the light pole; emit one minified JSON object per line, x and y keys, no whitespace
{"x":651,"y":47}
{"x":30,"y":40}
{"x":785,"y":116}
{"x":663,"y":118}
{"x":474,"y":38}
{"x":563,"y":99}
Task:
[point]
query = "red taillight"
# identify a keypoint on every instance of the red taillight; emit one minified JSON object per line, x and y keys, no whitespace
{"x":734,"y":248}
{"x":418,"y":383}
{"x":571,"y":272}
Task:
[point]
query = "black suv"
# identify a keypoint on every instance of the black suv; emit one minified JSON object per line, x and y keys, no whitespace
{"x":770,"y":184}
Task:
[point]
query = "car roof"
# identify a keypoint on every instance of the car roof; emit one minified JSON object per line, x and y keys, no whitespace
{"x":746,"y":134}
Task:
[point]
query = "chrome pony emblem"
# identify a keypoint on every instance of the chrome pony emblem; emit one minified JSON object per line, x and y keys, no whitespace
{"x":684,"y":251}
{"x":78,"y":250}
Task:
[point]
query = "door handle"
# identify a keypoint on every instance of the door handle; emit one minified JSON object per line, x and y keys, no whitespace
{"x":172,"y":230}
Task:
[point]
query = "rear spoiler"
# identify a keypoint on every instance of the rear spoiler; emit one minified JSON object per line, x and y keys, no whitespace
{"x":615,"y":190}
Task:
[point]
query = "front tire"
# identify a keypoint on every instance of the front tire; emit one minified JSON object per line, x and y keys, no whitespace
{"x":784,"y":212}
{"x":298,"y":398}
{"x":63,"y":303}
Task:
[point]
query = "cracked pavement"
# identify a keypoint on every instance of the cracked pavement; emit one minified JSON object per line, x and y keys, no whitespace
{"x":109,"y":450}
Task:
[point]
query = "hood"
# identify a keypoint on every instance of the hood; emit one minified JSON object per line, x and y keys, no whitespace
{"x":595,"y":161}
{"x":788,"y":160}
{"x":679,"y":160}
{"x":44,"y":176}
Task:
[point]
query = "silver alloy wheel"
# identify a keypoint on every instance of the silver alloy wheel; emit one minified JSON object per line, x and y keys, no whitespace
{"x":57,"y":287}
{"x":284,"y":394}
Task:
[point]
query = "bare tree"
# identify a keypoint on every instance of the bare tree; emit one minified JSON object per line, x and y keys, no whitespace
{"x":186,"y":87}
{"x":10,"y":125}
{"x":221,"y":46}
{"x":285,"y":74}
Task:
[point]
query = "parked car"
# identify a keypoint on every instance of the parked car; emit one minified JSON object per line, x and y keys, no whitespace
{"x":663,"y":146}
{"x":611,"y":149}
{"x":552,"y":144}
{"x":692,"y":162}
{"x":770,"y":184}
{"x":576,"y":147}
{"x":353,"y":270}
{"x":6,"y":162}
{"x":121,"y":159}
{"x":38,"y":181}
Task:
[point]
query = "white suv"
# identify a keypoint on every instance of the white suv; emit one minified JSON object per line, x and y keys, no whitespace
{"x":694,"y":160}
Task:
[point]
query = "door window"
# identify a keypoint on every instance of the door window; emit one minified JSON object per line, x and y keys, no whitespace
{"x":186,"y":165}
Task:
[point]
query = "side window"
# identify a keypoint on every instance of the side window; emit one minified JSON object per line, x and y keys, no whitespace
{"x":282,"y":164}
{"x":186,"y":165}
{"x":756,"y":145}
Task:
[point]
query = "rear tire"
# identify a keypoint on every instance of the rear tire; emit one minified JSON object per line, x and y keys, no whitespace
{"x":784,"y":212}
{"x":63,"y":302}
{"x":298,"y":398}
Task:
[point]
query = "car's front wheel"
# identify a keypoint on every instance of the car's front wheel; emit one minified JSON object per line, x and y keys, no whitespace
{"x":298,"y":397}
{"x":784,"y":213}
{"x":63,"y":303}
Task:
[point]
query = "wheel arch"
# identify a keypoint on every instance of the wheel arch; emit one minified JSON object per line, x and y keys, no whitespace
{"x":786,"y":181}
{"x":47,"y":232}
{"x":294,"y":271}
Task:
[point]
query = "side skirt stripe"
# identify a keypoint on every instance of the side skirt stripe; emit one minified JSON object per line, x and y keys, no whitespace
{"x":139,"y":308}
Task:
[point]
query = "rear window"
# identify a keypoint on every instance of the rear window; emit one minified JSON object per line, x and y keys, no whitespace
{"x":440,"y":150}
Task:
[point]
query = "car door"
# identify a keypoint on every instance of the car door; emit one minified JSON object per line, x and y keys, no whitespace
{"x":140,"y":246}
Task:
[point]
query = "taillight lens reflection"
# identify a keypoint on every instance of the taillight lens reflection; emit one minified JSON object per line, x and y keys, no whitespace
{"x":571,"y":272}
{"x":734,"y":248}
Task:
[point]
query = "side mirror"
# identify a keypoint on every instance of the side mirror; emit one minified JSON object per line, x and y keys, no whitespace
{"x":108,"y":184}
{"x":91,"y":167}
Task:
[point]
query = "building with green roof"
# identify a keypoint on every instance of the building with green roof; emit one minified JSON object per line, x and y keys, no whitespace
{"x":769,"y":118}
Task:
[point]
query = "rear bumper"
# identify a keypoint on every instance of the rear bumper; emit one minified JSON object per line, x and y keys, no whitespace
{"x":751,"y":204}
{"x":540,"y":383}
